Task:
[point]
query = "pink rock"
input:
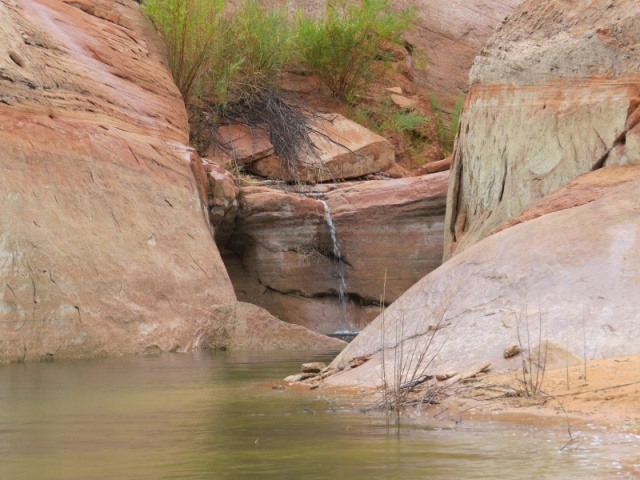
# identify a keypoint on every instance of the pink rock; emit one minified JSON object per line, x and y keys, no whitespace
{"x":345,"y":150}
{"x":240,"y":145}
{"x":403,"y":102}
{"x":281,"y":255}
{"x":535,"y":275}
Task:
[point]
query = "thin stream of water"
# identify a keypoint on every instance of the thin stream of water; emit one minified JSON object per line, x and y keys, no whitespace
{"x":342,"y":284}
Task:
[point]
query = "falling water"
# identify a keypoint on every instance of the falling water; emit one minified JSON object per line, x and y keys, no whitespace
{"x":336,"y":253}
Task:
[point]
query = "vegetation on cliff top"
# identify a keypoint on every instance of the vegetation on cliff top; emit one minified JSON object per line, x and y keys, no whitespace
{"x":226,"y":60}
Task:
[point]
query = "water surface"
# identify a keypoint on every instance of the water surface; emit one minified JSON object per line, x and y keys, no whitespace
{"x":210,"y":416}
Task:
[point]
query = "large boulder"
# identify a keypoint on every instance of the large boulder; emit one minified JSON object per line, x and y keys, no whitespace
{"x":554,"y":94}
{"x":567,"y":280}
{"x":340,"y":149}
{"x":388,"y":234}
{"x":104,"y":247}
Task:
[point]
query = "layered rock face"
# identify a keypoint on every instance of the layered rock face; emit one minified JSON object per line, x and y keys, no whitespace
{"x":104,"y":245}
{"x":553,"y":95}
{"x":104,"y":242}
{"x":283,"y":256}
{"x":540,"y":258}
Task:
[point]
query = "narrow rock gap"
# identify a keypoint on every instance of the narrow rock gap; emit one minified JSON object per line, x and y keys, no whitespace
{"x":620,"y":141}
{"x":350,"y":297}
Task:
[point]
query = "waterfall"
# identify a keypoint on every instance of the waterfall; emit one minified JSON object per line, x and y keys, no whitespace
{"x":342,"y":285}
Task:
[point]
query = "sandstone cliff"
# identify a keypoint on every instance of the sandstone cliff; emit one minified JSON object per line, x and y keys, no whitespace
{"x":451,"y":34}
{"x":104,"y":242}
{"x":554,"y":96}
{"x":281,"y":255}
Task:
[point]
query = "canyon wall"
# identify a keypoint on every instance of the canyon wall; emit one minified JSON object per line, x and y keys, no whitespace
{"x":450,"y":34}
{"x":543,"y":211}
{"x":388,"y":233}
{"x":553,"y":95}
{"x":105,"y":247}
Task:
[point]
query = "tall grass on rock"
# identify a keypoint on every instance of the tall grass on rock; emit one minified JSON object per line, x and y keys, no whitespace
{"x":189,"y":29}
{"x":342,"y":46}
{"x":256,"y":43}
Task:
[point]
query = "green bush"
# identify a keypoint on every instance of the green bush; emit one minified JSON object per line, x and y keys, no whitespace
{"x":343,"y":45}
{"x":189,"y":29}
{"x":216,"y":51}
{"x":247,"y":55}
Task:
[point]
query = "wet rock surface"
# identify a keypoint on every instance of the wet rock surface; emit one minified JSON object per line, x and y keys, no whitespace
{"x":281,"y":255}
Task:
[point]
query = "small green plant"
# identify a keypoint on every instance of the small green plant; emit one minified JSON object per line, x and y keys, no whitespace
{"x":343,"y":45}
{"x":189,"y":29}
{"x":447,"y":133}
{"x":384,"y":118}
{"x":404,"y":121}
{"x":255,"y":44}
{"x":225,"y":60}
{"x":217,"y":52}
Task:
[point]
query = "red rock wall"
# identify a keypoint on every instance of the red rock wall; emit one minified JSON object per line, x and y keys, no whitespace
{"x":451,"y":34}
{"x":389,"y":235}
{"x":103,"y":245}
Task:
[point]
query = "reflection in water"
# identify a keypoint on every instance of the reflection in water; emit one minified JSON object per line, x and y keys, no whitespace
{"x":201,"y":416}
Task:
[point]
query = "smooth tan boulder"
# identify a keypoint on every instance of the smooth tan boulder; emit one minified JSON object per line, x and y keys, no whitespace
{"x":554,"y":94}
{"x":569,"y":277}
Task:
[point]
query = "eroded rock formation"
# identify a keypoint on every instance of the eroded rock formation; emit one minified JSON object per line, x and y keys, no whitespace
{"x":451,"y":34}
{"x":553,"y":95}
{"x":570,"y":276}
{"x":104,"y":243}
{"x":283,"y":258}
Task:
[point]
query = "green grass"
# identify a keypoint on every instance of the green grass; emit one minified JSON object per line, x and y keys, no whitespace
{"x":343,"y":45}
{"x":447,"y":132}
{"x":189,"y":29}
{"x":255,"y":44}
{"x":216,"y":52}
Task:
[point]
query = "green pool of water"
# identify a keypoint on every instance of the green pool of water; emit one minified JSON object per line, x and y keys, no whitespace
{"x":209,"y":416}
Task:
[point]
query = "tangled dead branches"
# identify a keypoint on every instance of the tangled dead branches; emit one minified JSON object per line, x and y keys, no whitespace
{"x":262,"y":109}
